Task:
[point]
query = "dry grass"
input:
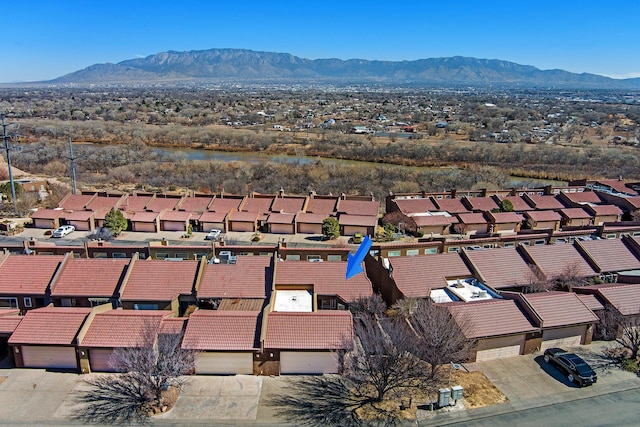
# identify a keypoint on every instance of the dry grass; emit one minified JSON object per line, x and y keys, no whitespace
{"x":478,"y":391}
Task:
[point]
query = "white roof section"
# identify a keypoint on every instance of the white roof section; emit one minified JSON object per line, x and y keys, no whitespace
{"x":293,"y":300}
{"x":439,"y":296}
{"x":468,"y":290}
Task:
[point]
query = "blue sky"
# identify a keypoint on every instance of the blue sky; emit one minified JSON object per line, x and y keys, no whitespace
{"x":47,"y":39}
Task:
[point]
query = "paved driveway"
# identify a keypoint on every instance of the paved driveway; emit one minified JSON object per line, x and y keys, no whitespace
{"x":523,"y":378}
{"x":218,"y":398}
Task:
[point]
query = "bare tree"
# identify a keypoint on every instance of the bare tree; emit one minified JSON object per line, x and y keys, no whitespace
{"x":157,"y":364}
{"x":629,"y":337}
{"x":373,"y":305}
{"x":440,"y":337}
{"x":537,"y":281}
{"x":569,"y":278}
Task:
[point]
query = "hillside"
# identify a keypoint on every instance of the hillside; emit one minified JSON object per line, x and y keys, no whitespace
{"x":253,"y":66}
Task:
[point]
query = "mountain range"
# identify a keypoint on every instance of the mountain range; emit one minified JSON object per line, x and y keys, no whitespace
{"x":253,"y":66}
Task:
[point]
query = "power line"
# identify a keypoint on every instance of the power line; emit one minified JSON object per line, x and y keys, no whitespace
{"x":6,"y":139}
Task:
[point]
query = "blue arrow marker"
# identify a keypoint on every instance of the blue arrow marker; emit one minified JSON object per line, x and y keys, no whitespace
{"x":354,"y":261}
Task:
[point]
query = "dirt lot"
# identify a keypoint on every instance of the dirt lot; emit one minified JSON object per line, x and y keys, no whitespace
{"x":478,"y":390}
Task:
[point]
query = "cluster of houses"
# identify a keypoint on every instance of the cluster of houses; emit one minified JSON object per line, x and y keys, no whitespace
{"x":153,"y":212}
{"x":287,"y":311}
{"x":270,"y":310}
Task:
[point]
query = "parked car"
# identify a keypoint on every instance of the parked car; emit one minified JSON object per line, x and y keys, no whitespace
{"x":213,"y":234}
{"x":572,"y":365}
{"x":63,"y":231}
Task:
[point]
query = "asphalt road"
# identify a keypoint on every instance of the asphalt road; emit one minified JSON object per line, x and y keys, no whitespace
{"x":614,"y":409}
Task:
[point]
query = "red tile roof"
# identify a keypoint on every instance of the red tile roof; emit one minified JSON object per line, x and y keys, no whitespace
{"x":359,"y":207}
{"x":27,"y":274}
{"x":280,"y":218}
{"x":554,"y":260}
{"x":90,"y":277}
{"x":249,"y":277}
{"x":135,"y":203}
{"x":321,"y":205}
{"x":243,"y":216}
{"x":327,"y":278}
{"x":560,"y":309}
{"x":472,"y":218}
{"x":322,"y":330}
{"x":122,"y":328}
{"x":196,"y":204}
{"x":415,"y":276}
{"x":180,"y":216}
{"x":518,"y":203}
{"x":257,"y":204}
{"x":213,"y":216}
{"x":158,"y":280}
{"x":504,"y":217}
{"x":47,"y":214}
{"x":225,"y":204}
{"x":574,"y":213}
{"x":491,"y":318}
{"x":161,"y":203}
{"x":311,"y":218}
{"x":288,"y":204}
{"x":500,"y":267}
{"x":144,"y":216}
{"x":624,"y":298}
{"x":603,"y":209}
{"x":9,"y":321}
{"x":75,"y":202}
{"x":543,"y":202}
{"x":543,"y":216}
{"x":173,"y":325}
{"x":358,"y":220}
{"x":103,"y":202}
{"x":50,"y":326}
{"x":591,"y":301}
{"x":77,"y":215}
{"x":582,"y":197}
{"x":484,"y":204}
{"x":611,"y":255}
{"x":452,"y":206}
{"x":408,"y":206}
{"x":619,"y":186}
{"x":433,"y":220}
{"x":211,"y":330}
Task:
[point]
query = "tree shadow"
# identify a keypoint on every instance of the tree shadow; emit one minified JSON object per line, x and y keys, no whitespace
{"x":329,"y":400}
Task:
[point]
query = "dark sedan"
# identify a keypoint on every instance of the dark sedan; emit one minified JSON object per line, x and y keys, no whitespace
{"x":572,"y":365}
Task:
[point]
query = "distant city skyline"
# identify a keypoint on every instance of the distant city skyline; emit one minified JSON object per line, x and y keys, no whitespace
{"x":44,"y":40}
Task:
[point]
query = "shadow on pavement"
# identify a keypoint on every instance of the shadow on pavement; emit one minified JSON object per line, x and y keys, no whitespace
{"x":554,"y":372}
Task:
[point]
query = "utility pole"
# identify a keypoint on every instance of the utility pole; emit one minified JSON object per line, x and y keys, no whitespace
{"x":73,"y":166}
{"x":6,"y":138}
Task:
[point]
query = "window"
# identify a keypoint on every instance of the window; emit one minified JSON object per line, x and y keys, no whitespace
{"x":293,"y":258}
{"x":99,"y":254}
{"x":525,"y":243}
{"x":413,"y":252}
{"x":453,"y":249}
{"x":374,"y":252}
{"x":162,"y":255}
{"x":200,"y":255}
{"x":27,"y":302}
{"x":145,"y":306}
{"x":265,"y":253}
{"x":65,"y":302}
{"x":509,"y":245}
{"x":488,"y":246}
{"x":429,"y":251}
{"x":337,"y":258}
{"x":328,"y":304}
{"x":182,"y":255}
{"x":538,"y":242}
{"x":394,"y":253}
{"x":8,"y":303}
{"x":636,"y":233}
{"x":611,"y":236}
{"x":119,"y":255}
{"x":561,"y":240}
{"x":313,"y":257}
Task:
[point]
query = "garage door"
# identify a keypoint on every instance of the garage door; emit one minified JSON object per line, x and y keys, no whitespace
{"x":242,"y":226}
{"x":309,"y":228}
{"x":563,"y":337}
{"x":282,"y":228}
{"x":49,"y":357}
{"x":350,"y":230}
{"x":145,"y":227}
{"x":495,"y":348}
{"x":174,"y":226}
{"x":224,"y":363}
{"x":44,"y":223}
{"x":316,"y":362}
{"x":80,"y":225}
{"x":99,"y":360}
